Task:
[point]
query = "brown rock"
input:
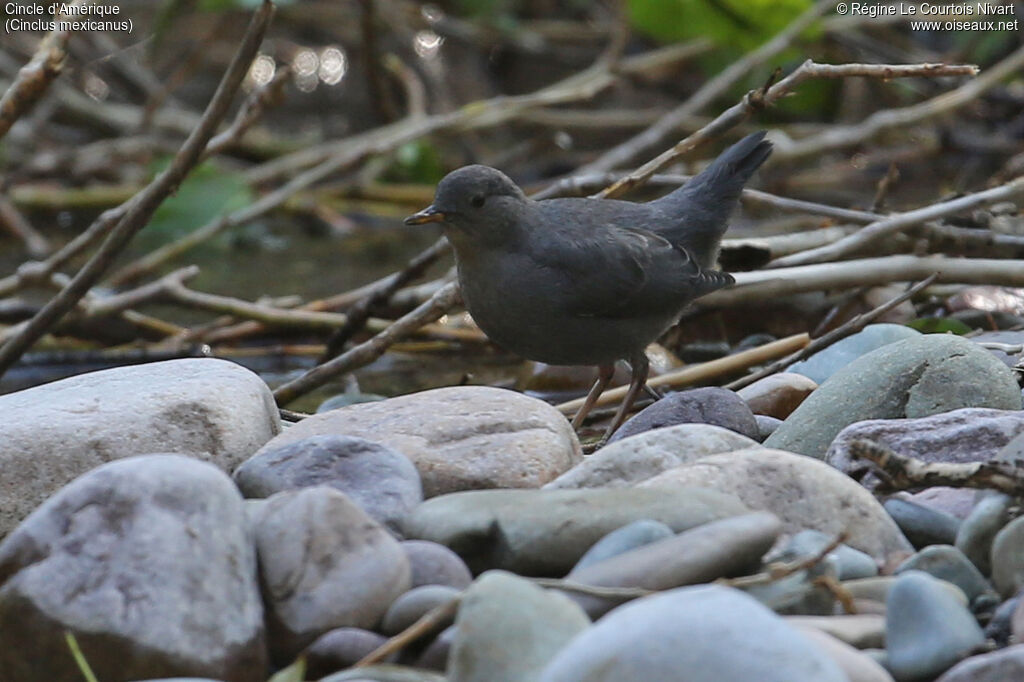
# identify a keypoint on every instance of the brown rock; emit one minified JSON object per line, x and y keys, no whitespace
{"x":777,"y":395}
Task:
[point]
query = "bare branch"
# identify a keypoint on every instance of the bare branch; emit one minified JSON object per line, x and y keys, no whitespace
{"x":872,"y":232}
{"x":759,"y":99}
{"x":368,"y":351}
{"x":704,"y":371}
{"x":35,"y":77}
{"x":141,"y":208}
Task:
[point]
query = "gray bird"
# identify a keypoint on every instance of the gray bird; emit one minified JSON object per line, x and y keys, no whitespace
{"x":585,"y":281}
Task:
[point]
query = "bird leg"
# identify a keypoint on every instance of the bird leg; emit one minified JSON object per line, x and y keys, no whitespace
{"x":637,"y":381}
{"x":604,"y":377}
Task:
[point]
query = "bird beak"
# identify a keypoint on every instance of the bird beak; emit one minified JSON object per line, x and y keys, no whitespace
{"x":427,"y":215}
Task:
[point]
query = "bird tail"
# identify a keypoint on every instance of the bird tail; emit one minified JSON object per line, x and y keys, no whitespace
{"x":702,"y":206}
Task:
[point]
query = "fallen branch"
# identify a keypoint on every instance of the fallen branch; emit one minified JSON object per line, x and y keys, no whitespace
{"x":871,"y":233}
{"x":768,"y":285}
{"x":142,"y":206}
{"x":759,"y":99}
{"x":35,"y":77}
{"x":706,"y":94}
{"x":368,"y":351}
{"x":839,"y":333}
{"x":704,"y":371}
{"x":901,"y":472}
{"x":838,"y":137}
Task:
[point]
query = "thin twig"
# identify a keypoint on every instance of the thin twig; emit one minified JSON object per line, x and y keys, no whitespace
{"x":839,"y":333}
{"x":871,"y":233}
{"x":252,"y":109}
{"x":704,"y":371}
{"x":360,"y":312}
{"x":647,"y":139}
{"x":779,"y":571}
{"x":427,"y":623}
{"x":11,"y":218}
{"x":146,"y":202}
{"x":35,"y":77}
{"x":370,"y":350}
{"x":758,"y":99}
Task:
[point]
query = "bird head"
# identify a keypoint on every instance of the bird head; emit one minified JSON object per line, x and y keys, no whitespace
{"x":475,"y":203}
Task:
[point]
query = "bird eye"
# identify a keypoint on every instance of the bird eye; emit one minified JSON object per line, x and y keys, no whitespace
{"x":477,"y":201}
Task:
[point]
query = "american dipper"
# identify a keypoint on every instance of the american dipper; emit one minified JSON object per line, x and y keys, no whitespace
{"x":585,"y":281}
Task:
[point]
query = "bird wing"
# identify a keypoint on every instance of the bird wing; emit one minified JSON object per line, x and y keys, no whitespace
{"x":611,"y":271}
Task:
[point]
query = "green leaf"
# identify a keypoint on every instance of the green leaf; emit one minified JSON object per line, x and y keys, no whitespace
{"x":939,"y":325}
{"x":208,"y":192}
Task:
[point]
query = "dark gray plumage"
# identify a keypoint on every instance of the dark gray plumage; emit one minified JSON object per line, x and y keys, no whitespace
{"x":585,"y":281}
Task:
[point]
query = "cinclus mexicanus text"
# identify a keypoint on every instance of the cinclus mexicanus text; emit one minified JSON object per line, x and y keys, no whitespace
{"x":585,"y":281}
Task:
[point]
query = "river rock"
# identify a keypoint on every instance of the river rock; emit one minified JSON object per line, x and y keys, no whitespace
{"x":709,"y":405}
{"x":968,"y":435}
{"x":949,"y":564}
{"x":545,"y":532}
{"x":859,"y":630}
{"x":823,"y":364}
{"x":922,"y":525}
{"x":777,"y":395}
{"x":1008,"y":558}
{"x":647,"y":454}
{"x":918,"y":377}
{"x":324,"y":564}
{"x":434,"y":564}
{"x":507,"y":629}
{"x":414,"y":604}
{"x":148,"y":562}
{"x":384,"y":483}
{"x":620,"y":540}
{"x":339,"y":649}
{"x":979,"y":529}
{"x":857,"y":666}
{"x":999,"y":666}
{"x":801,"y":491}
{"x":710,"y":551}
{"x":850,"y":563}
{"x":926,"y":630}
{"x":700,"y":634}
{"x":213,"y":410}
{"x":460,"y":437}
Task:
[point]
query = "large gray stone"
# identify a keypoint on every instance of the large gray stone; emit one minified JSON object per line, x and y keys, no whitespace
{"x":803,"y":492}
{"x":969,"y":435}
{"x":713,"y":550}
{"x":147,"y":561}
{"x":823,"y":364}
{"x":211,"y":409}
{"x":459,"y":438}
{"x":384,"y":483}
{"x":620,"y":540}
{"x":707,"y":405}
{"x":324,"y":564}
{"x":1008,"y":558}
{"x":926,"y":630}
{"x":918,"y":377}
{"x":507,"y":629}
{"x":545,"y":532}
{"x":647,"y":454}
{"x":697,"y":634}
